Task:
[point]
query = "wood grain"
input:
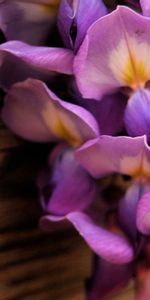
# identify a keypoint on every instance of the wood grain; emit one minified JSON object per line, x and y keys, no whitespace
{"x":35,"y":265}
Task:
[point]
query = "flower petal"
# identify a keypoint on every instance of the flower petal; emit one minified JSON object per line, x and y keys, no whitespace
{"x":32,"y":111}
{"x":128,"y":210}
{"x":107,"y":279}
{"x":110,"y":246}
{"x":79,"y":14}
{"x":109,"y":112}
{"x":145,"y":4}
{"x":137,"y":118}
{"x":19,"y":61}
{"x":107,"y":155}
{"x":143,"y":214}
{"x":68,"y":187}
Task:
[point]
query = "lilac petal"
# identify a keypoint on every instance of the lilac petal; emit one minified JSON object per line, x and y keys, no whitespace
{"x":19,"y":61}
{"x":137,"y":118}
{"x":107,"y":279}
{"x":110,"y":246}
{"x":78,"y":15}
{"x":103,"y":63}
{"x":107,"y":155}
{"x":128,"y":209}
{"x":68,"y":187}
{"x":143,"y":214}
{"x":32,"y":111}
{"x":145,"y":4}
{"x":33,"y":18}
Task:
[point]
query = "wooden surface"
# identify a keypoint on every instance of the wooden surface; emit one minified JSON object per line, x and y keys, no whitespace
{"x":35,"y":265}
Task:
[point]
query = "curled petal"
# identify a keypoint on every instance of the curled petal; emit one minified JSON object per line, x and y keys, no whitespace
{"x":32,"y":111}
{"x":67,"y":187}
{"x":110,"y":246}
{"x":77,"y":16}
{"x":107,"y":155}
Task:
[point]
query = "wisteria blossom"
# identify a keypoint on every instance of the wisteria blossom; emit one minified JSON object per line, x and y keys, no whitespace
{"x":106,"y":63}
{"x":97,"y":177}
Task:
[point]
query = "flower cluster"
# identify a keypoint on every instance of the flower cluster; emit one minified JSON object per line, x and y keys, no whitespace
{"x":76,"y":73}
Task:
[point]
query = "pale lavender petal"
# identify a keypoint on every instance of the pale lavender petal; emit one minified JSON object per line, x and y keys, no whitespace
{"x":103,"y":62}
{"x":32,"y":111}
{"x":143,"y":214}
{"x":137,"y":118}
{"x":78,"y":16}
{"x":19,"y":61}
{"x":28,"y":21}
{"x":107,"y":279}
{"x":108,"y":245}
{"x":107,"y":155}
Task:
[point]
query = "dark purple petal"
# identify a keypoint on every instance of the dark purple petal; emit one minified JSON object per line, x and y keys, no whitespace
{"x":137,"y":117}
{"x":128,"y":210}
{"x":109,"y":112}
{"x":68,"y":187}
{"x":32,"y":111}
{"x":143,"y":214}
{"x":77,"y":16}
{"x":106,"y":244}
{"x":107,"y":279}
{"x":19,"y":61}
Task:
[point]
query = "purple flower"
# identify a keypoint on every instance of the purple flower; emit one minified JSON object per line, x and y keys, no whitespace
{"x":27,"y":20}
{"x":127,"y":156}
{"x":75,"y":17}
{"x":106,"y":63}
{"x":72,"y":194}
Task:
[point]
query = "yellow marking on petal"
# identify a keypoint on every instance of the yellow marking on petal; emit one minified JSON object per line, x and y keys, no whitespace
{"x":60,"y":124}
{"x":136,"y":77}
{"x":64,"y":133}
{"x":137,"y":166}
{"x":130,"y":63}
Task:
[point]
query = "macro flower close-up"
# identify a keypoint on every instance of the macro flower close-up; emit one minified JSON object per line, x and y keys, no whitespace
{"x":75,"y":149}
